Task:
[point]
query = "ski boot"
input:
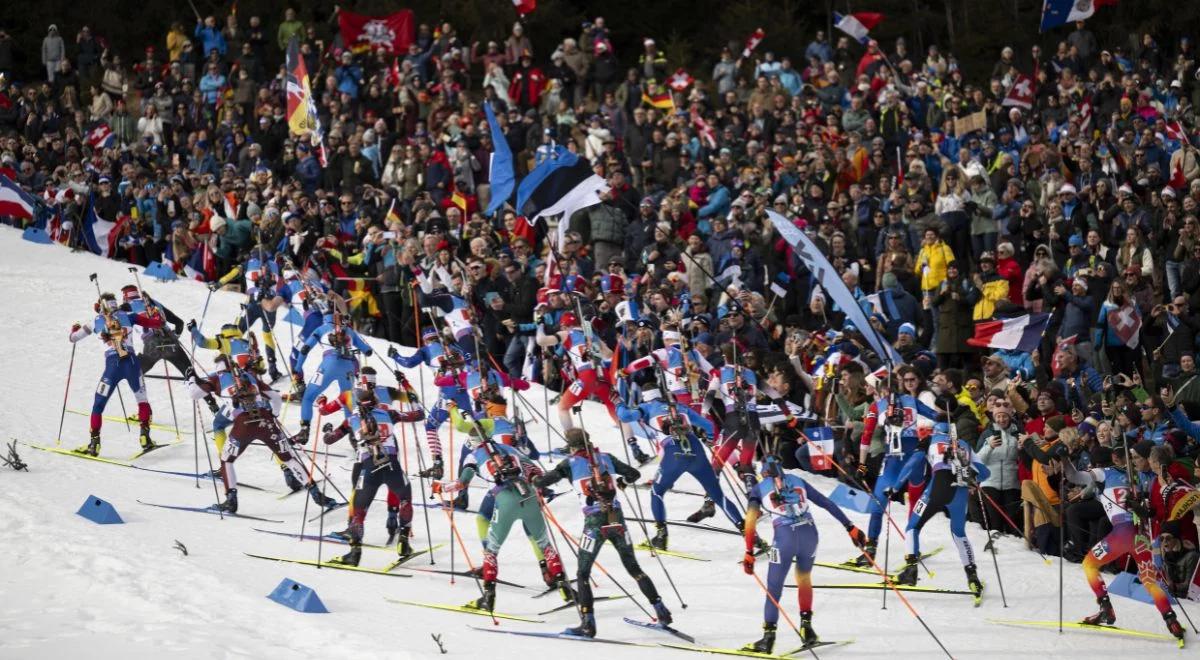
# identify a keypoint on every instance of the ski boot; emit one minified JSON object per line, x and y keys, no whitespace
{"x":319,"y":498}
{"x":707,"y":510}
{"x":909,"y":575}
{"x":301,"y":437}
{"x":761,"y":547}
{"x":290,"y":479}
{"x":1106,"y":616}
{"x":867,"y":556}
{"x":659,"y":540}
{"x":462,"y":500}
{"x":144,"y":437}
{"x":662,"y":613}
{"x":565,"y":590}
{"x":350,"y":558}
{"x":807,"y":634}
{"x":766,"y":644}
{"x":639,"y":455}
{"x":486,"y":602}
{"x":298,"y":387}
{"x":272,"y":368}
{"x":230,"y":504}
{"x":586,"y":627}
{"x":341,"y":535}
{"x":973,"y":581}
{"x":434,"y":471}
{"x":1173,"y":625}
{"x":393,"y":523}
{"x":92,"y":448}
{"x":403,"y":546}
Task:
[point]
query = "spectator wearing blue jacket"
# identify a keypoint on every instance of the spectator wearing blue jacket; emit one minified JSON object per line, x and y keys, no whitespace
{"x":211,"y":84}
{"x":1078,"y":316}
{"x":819,"y":48}
{"x":210,"y":37}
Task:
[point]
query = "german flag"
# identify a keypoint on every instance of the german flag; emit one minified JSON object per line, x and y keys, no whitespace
{"x":301,"y":108}
{"x":392,"y":216}
{"x":658,"y":98}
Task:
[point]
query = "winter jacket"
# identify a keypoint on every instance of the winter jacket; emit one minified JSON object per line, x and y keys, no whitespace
{"x":1002,"y":460}
{"x":53,"y":50}
{"x":992,"y":290}
{"x":1078,"y":316}
{"x":607,"y":223}
{"x":931,"y":265}
{"x":954,"y":321}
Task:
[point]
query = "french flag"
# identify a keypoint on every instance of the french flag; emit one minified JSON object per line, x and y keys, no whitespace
{"x":14,"y":202}
{"x":1022,"y":333}
{"x":857,"y":25}
{"x":202,"y":265}
{"x":100,"y":235}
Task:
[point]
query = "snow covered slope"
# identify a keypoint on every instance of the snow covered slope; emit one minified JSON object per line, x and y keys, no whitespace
{"x":69,"y":586}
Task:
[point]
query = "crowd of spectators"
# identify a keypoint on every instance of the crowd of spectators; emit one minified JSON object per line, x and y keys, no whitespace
{"x":1084,"y":206}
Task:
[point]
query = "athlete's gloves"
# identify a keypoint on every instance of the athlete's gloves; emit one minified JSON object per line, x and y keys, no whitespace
{"x":748,"y":563}
{"x":393,"y":353}
{"x":792,"y":422}
{"x":212,"y":404}
{"x":862,"y":471}
{"x":321,"y":401}
{"x":402,"y":380}
{"x":213,"y":286}
{"x":191,"y":325}
{"x":923,"y":443}
{"x":621,"y":483}
{"x":75,"y":328}
{"x":856,"y":536}
{"x":434,"y":471}
{"x":1140,"y":507}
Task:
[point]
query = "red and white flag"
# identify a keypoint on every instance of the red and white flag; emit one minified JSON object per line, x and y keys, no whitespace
{"x":1020,"y":95}
{"x":753,"y":42}
{"x":524,"y":6}
{"x":680,"y":80}
{"x":393,"y":32}
{"x":1126,"y":323}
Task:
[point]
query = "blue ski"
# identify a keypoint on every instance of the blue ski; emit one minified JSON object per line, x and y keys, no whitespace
{"x":664,"y":628}
{"x":559,"y":635}
{"x":210,"y":510}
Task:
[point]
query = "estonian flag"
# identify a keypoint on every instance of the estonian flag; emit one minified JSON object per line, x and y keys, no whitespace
{"x":562,"y":184}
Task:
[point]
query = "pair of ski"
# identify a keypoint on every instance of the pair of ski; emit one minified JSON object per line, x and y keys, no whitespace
{"x":120,"y":463}
{"x":334,"y":563}
{"x":1114,"y":630}
{"x":132,"y":420}
{"x":599,"y":640}
{"x":468,"y":609}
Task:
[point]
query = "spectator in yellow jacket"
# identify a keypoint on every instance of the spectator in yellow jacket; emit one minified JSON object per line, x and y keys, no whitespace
{"x":931,"y":261}
{"x":992,"y":288}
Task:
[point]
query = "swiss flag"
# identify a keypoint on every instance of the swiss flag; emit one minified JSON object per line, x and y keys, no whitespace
{"x":680,"y":80}
{"x":1020,"y":95}
{"x":524,"y":6}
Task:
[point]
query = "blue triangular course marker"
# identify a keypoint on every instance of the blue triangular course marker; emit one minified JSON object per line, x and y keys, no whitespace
{"x":851,"y":498}
{"x":36,"y":235}
{"x":161,"y":272}
{"x":292,"y":594}
{"x":99,"y":511}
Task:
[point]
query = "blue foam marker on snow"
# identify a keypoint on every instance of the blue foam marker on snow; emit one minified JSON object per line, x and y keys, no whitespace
{"x":298,"y":597}
{"x":99,"y":512}
{"x":294,"y":317}
{"x":1127,"y":585}
{"x":851,"y":498}
{"x":36,"y":235}
{"x":161,"y":272}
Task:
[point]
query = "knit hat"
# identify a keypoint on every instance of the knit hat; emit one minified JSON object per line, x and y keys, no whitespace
{"x":1057,"y":423}
{"x":1142,"y":449}
{"x":908,"y":329}
{"x":1075,"y":241}
{"x":216,"y":223}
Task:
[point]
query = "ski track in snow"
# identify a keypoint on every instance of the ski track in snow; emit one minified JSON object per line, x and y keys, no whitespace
{"x":122,"y":590}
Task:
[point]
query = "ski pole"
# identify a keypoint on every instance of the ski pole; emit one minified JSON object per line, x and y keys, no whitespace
{"x":204,"y":313}
{"x":991,"y":545}
{"x":887,"y":542}
{"x":862,"y":487}
{"x":66,"y":391}
{"x":171,"y":394}
{"x":551,"y":518}
{"x":780,"y":609}
{"x":311,"y":465}
{"x":424,"y":501}
{"x":447,"y":508}
{"x":196,"y":444}
{"x":637,"y":499}
{"x":321,"y":518}
{"x":208,"y":455}
{"x":1010,"y":521}
{"x":116,"y":386}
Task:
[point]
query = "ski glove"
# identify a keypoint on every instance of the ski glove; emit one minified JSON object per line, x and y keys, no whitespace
{"x":191,"y":325}
{"x":862,"y":470}
{"x":748,"y":563}
{"x":74,"y":328}
{"x":856,"y":536}
{"x":393,"y":353}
